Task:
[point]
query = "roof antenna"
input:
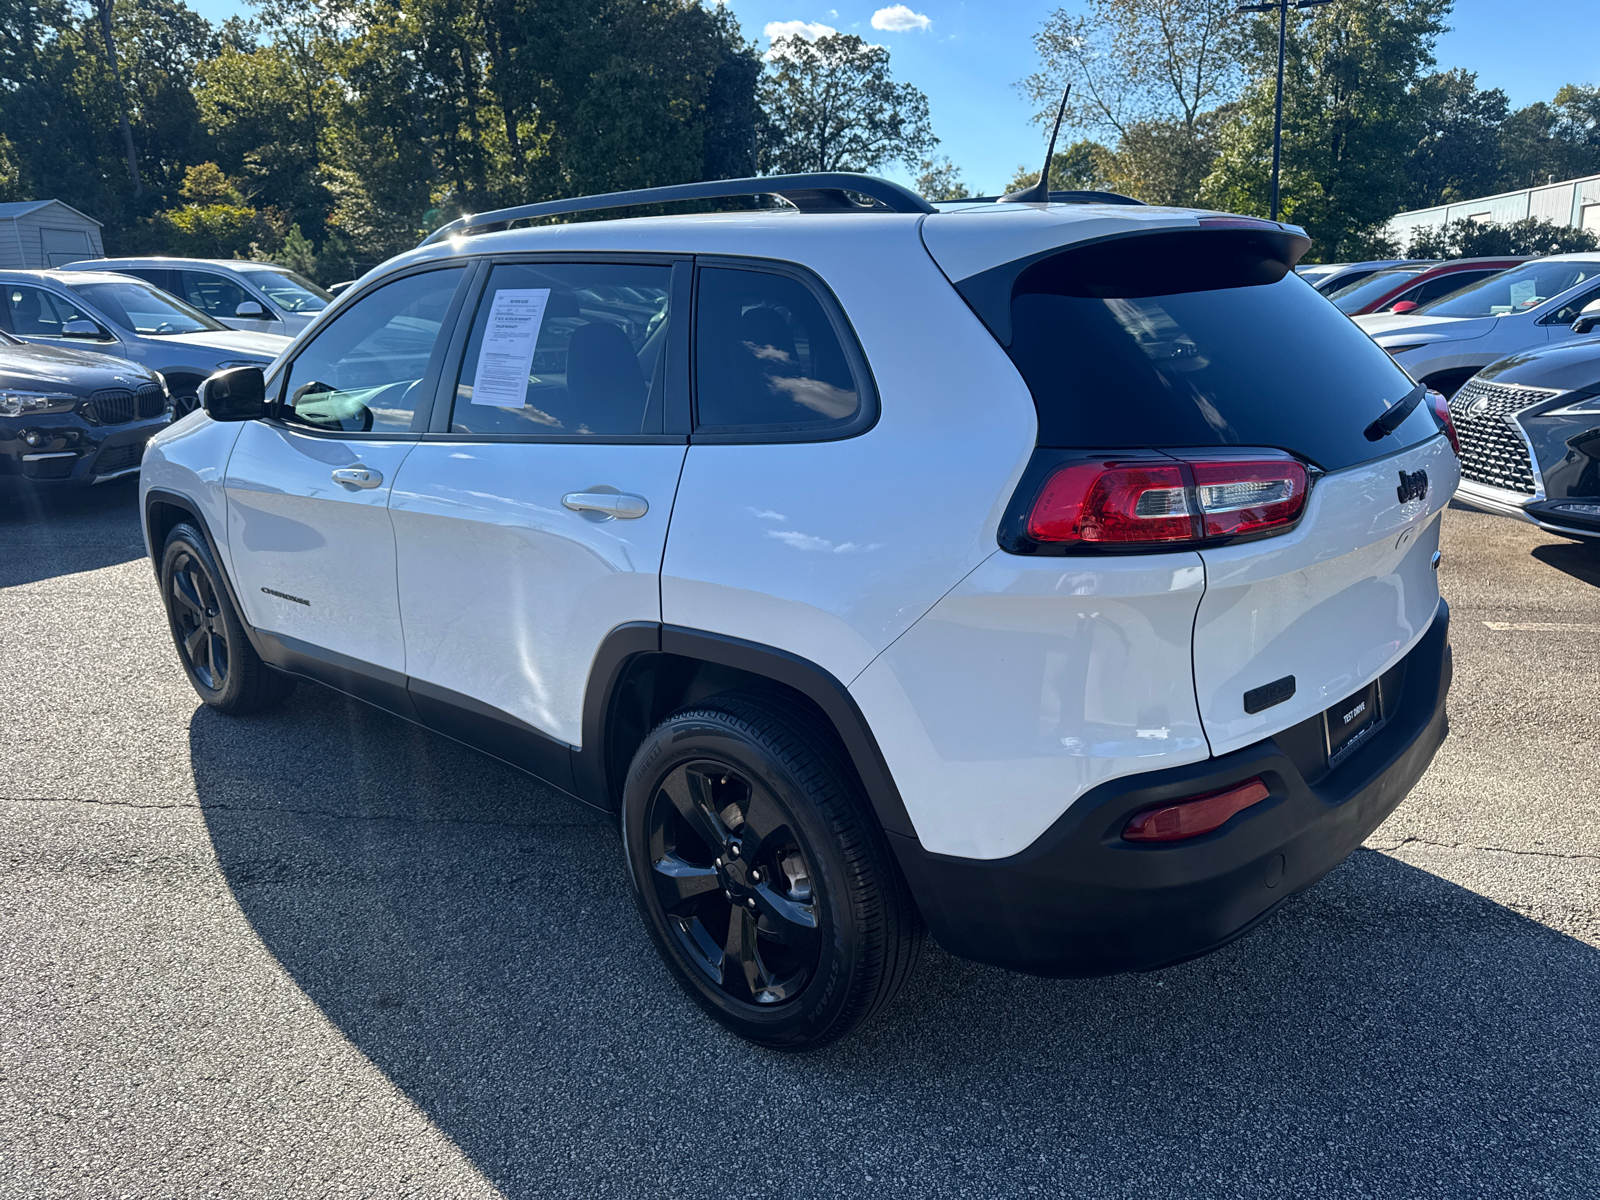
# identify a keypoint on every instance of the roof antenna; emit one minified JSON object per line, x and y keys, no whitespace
{"x":1039,"y":193}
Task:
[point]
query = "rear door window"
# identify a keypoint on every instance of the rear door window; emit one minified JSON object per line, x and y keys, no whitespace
{"x":1194,"y":340}
{"x":566,"y":350}
{"x":769,"y":358}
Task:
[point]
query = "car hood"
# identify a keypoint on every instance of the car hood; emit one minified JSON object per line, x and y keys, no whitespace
{"x":57,"y":369}
{"x":1570,"y":366}
{"x":265,"y":346}
{"x":1385,"y":327}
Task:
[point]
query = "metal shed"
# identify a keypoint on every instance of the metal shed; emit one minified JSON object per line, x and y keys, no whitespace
{"x":35,"y":234}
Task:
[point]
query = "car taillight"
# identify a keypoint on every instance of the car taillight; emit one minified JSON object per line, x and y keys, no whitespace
{"x":1192,"y":817}
{"x":1168,"y":500}
{"x":1441,"y":410}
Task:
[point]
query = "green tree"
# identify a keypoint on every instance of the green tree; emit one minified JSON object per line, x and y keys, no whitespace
{"x":1472,"y":239}
{"x":835,"y":107}
{"x":1347,"y":121}
{"x":1558,"y":140}
{"x":214,"y":221}
{"x":1456,"y":132}
{"x":1083,"y":166}
{"x":940,"y":180}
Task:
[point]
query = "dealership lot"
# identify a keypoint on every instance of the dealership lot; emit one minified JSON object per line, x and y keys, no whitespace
{"x":322,"y":952}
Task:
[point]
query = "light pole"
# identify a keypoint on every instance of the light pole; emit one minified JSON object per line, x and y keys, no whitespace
{"x":1281,"y":7}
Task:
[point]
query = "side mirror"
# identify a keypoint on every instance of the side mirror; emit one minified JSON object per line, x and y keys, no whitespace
{"x":236,"y":395}
{"x":1403,"y":306}
{"x":1589,"y":319}
{"x":250,"y":308}
{"x":81,"y":327}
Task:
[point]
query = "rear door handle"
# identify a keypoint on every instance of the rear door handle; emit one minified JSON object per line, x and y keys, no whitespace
{"x":361,"y":477}
{"x":610,"y":504}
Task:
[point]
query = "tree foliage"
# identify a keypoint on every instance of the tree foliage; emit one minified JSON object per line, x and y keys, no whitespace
{"x":834,"y":107}
{"x":1474,"y":239}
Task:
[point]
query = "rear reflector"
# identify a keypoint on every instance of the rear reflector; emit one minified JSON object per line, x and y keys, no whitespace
{"x":1191,"y":818}
{"x":1167,"y":500}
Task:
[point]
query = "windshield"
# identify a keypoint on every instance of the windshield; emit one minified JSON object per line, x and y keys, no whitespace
{"x":1188,"y":340}
{"x":290,"y":292}
{"x":1513,"y":291}
{"x":1356,"y":296}
{"x":144,"y":309}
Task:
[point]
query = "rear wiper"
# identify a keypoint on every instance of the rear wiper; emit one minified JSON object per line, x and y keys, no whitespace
{"x":1395,"y":417}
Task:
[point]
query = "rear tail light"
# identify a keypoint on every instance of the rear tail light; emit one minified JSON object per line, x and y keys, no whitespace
{"x":1441,"y":411}
{"x":1165,"y":501}
{"x":1192,"y":817}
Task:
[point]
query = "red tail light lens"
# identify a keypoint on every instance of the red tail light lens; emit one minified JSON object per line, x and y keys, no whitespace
{"x":1441,"y":410}
{"x":1113,"y":502}
{"x":1165,"y":501}
{"x":1191,"y":818}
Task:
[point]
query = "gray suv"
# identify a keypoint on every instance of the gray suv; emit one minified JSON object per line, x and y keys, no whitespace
{"x":263,"y":297}
{"x":131,"y":319}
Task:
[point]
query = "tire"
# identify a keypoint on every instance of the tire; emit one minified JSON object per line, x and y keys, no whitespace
{"x":221,"y":664}
{"x":766,"y":883}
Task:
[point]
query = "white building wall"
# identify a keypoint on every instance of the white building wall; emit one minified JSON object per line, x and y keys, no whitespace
{"x":1571,"y":202}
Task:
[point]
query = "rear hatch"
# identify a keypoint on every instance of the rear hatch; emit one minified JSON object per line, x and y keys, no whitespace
{"x":1200,"y":342}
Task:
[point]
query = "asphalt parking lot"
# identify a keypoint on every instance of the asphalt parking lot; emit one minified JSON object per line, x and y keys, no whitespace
{"x":321,"y":952}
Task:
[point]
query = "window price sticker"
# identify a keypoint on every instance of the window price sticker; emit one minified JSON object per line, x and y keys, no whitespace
{"x":506,"y":358}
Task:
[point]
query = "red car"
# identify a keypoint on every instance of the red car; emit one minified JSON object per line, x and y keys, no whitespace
{"x":1401,"y":289}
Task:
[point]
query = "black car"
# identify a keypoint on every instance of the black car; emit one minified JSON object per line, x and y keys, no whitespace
{"x":1530,"y":438}
{"x":73,"y":417}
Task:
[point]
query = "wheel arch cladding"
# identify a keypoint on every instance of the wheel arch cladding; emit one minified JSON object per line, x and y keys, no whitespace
{"x":643,"y":673}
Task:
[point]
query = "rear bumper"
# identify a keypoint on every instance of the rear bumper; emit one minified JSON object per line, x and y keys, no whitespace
{"x":1080,"y":901}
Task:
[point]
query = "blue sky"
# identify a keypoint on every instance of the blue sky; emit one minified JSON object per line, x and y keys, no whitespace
{"x":968,"y":57}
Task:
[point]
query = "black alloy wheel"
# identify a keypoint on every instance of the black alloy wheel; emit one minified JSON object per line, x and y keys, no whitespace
{"x":197,"y":621}
{"x":216,"y":654}
{"x":761,"y":872}
{"x":733,"y":881}
{"x":184,"y":403}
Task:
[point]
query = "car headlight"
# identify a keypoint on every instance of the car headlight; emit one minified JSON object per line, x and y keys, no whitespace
{"x":1581,"y":406}
{"x":31,"y":404}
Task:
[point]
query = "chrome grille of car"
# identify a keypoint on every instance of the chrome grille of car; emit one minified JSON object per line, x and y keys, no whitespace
{"x":1492,"y":447}
{"x":118,"y":406}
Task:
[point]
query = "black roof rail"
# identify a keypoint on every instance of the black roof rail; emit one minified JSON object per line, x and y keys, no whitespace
{"x":1058,"y":198}
{"x":823,"y":191}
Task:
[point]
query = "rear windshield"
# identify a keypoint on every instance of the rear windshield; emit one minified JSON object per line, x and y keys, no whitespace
{"x":1200,"y":339}
{"x":1356,"y":296}
{"x":1514,"y":291}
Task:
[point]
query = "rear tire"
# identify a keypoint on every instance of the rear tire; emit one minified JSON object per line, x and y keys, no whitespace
{"x":221,"y":664}
{"x":767,"y":885}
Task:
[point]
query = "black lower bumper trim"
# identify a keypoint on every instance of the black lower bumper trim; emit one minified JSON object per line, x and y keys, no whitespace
{"x":1080,"y":901}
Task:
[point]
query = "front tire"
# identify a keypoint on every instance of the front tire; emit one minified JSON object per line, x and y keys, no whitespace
{"x":218,"y":658}
{"x":767,"y":885}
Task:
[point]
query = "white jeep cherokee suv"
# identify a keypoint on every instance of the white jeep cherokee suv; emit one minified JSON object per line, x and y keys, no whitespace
{"x":1059,"y":578}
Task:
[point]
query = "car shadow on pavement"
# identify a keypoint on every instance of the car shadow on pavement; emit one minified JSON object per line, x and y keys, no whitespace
{"x":1387,"y":1033}
{"x":46,"y":534}
{"x":1578,"y":559}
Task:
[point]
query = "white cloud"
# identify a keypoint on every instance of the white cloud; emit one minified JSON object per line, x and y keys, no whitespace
{"x":810,"y":30}
{"x":897,"y":18}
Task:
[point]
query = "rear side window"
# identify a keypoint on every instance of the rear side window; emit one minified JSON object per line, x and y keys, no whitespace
{"x":1199,"y":339}
{"x":769,"y":359}
{"x":1356,"y":296}
{"x":566,"y":350}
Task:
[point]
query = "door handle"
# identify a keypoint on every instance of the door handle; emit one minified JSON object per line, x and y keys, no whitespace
{"x":361,"y":477}
{"x":610,"y":504}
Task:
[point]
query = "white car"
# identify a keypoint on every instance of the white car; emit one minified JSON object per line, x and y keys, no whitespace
{"x":1060,"y":578}
{"x":262,"y":297}
{"x":1446,"y":343}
